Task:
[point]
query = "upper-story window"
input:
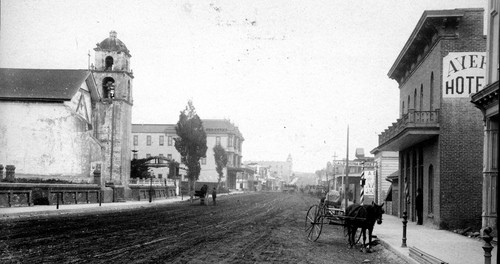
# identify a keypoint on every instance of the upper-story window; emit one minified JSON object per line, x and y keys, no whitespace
{"x":136,"y":140}
{"x":415,"y":99}
{"x":217,"y":140}
{"x":421,"y":97}
{"x":161,"y":140}
{"x":230,"y":141}
{"x":169,"y":156}
{"x":135,"y":155}
{"x":431,"y":92}
{"x":109,"y":63}
{"x":203,"y":161}
{"x":148,"y":140}
{"x":169,"y":140}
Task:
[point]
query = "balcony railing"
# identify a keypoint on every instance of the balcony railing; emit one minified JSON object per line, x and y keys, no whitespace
{"x":413,"y":119}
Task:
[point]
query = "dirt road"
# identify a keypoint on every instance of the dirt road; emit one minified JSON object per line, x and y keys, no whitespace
{"x":244,"y":228}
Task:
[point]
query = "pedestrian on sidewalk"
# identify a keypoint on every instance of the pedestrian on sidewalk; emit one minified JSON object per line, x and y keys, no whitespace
{"x":214,"y":195}
{"x":419,"y":206}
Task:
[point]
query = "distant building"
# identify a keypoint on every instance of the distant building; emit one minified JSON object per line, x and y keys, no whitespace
{"x":158,"y":140}
{"x":439,"y":135}
{"x":281,"y":171}
{"x":487,"y":101}
{"x":362,"y":166}
{"x":386,"y":164}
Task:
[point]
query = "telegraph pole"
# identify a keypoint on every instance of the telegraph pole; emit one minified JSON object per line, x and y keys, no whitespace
{"x":346,"y":171}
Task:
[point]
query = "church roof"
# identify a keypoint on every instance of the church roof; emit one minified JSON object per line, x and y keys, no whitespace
{"x":112,"y":43}
{"x":40,"y":84}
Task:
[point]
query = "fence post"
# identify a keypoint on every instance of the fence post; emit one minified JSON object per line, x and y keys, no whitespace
{"x":97,"y":177}
{"x":10,"y":173}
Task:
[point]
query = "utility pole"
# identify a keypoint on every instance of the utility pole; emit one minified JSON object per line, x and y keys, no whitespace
{"x":346,"y":171}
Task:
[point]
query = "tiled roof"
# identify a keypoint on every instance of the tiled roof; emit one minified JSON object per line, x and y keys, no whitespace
{"x":40,"y":84}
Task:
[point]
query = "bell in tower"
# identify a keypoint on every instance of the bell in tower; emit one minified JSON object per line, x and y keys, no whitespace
{"x":112,"y":68}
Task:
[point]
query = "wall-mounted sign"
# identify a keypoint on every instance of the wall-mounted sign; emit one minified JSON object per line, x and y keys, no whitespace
{"x":369,"y":182}
{"x":463,"y":74}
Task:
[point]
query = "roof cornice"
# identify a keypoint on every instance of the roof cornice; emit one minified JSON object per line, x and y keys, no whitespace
{"x":431,"y":22}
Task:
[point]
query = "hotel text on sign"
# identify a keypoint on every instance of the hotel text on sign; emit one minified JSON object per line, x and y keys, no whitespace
{"x":463,"y":74}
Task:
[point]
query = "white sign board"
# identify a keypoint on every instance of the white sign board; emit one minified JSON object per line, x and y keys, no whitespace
{"x":369,"y":182}
{"x":463,"y":74}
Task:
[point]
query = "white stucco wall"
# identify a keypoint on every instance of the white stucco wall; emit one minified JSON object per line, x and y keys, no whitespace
{"x":47,"y":140}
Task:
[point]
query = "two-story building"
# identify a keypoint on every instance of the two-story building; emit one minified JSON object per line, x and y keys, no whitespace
{"x":439,"y":135}
{"x":150,"y":140}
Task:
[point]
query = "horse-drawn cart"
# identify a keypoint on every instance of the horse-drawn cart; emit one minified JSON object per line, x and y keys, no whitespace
{"x":354,"y":217}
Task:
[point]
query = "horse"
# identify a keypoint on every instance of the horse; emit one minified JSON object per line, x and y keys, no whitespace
{"x":369,"y":214}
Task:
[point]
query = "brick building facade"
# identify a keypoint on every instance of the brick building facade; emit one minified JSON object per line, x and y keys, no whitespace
{"x":439,"y":134}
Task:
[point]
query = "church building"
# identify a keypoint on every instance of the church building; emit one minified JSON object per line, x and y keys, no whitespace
{"x":69,"y":126}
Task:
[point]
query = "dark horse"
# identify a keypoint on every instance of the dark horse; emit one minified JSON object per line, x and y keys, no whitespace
{"x":364,"y":217}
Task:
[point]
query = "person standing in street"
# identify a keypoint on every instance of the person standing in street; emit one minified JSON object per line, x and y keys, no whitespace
{"x":214,"y":195}
{"x":419,"y":206}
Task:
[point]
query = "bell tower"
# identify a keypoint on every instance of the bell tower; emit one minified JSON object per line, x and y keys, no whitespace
{"x":113,"y":124}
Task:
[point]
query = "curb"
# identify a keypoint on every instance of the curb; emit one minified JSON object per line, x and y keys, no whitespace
{"x":400,"y":254}
{"x":107,"y":208}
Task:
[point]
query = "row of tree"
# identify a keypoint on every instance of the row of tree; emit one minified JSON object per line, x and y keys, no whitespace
{"x":191,"y":143}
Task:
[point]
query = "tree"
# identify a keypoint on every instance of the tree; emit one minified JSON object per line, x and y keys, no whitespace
{"x":191,"y":143}
{"x":220,"y":157}
{"x":173,"y":169}
{"x":139,"y":168}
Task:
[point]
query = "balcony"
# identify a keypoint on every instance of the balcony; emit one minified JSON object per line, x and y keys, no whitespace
{"x":414,"y":127}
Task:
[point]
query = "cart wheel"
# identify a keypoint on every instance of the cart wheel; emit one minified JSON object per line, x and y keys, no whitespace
{"x":314,"y":223}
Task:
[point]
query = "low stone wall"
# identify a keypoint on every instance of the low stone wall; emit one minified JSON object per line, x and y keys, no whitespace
{"x":27,"y":194}
{"x":142,"y":192}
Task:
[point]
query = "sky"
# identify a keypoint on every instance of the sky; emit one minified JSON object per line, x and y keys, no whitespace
{"x":293,"y":75}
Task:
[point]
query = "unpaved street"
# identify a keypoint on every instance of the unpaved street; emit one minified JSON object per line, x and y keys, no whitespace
{"x":244,"y":228}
